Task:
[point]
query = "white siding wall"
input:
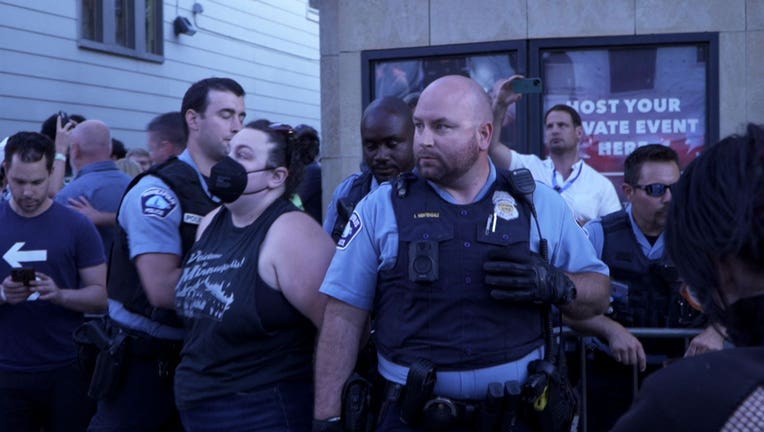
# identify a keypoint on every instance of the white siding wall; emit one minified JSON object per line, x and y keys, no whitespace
{"x":270,"y":47}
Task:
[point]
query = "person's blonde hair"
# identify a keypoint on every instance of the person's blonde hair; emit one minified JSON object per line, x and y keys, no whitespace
{"x":129,"y":167}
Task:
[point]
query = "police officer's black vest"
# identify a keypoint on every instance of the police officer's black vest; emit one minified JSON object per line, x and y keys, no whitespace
{"x":358,"y":189}
{"x":123,"y":284}
{"x":433,"y":304}
{"x":653,"y":298}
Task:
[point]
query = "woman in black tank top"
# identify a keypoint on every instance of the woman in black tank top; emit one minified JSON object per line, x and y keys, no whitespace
{"x":249,"y":295}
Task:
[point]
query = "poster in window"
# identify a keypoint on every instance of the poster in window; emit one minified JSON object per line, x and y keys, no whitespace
{"x":631,"y":96}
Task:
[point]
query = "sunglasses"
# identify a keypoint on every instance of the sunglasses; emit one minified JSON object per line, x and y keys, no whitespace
{"x":655,"y":189}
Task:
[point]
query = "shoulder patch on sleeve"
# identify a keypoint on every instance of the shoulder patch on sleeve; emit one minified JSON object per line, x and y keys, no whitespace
{"x":157,"y":202}
{"x":352,"y":229}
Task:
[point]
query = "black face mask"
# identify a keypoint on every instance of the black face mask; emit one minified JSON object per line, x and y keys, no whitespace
{"x":228,"y":179}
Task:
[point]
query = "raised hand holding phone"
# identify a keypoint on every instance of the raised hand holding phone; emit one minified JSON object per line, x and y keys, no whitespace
{"x":527,"y":85}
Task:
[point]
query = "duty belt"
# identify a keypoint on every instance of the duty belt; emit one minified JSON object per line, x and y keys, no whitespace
{"x":497,"y":412}
{"x":462,"y":411}
{"x":142,"y":345}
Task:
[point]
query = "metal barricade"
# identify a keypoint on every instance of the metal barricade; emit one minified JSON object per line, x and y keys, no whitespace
{"x":639,"y":332}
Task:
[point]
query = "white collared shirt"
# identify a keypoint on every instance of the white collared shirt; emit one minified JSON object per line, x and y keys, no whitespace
{"x":588,"y":193}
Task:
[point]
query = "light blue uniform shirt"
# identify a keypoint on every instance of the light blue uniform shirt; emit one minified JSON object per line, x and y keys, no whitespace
{"x":653,"y":252}
{"x":342,"y":190}
{"x":371,"y":245}
{"x":597,"y":237}
{"x":151,"y":216}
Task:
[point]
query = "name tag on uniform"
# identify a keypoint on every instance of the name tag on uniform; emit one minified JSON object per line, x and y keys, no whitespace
{"x":193,"y":219}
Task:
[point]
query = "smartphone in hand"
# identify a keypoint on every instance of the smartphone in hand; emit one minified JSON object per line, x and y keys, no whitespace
{"x":24,"y":275}
{"x":527,"y":85}
{"x":64,"y":118}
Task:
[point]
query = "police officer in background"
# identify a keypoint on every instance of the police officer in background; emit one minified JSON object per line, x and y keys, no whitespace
{"x":449,"y":265}
{"x":157,"y":220}
{"x":166,"y":137}
{"x":387,"y":135}
{"x":645,"y":288}
{"x":715,"y":237}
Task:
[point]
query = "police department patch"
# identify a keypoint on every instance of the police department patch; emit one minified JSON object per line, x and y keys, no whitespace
{"x":157,"y":202}
{"x":352,"y":228}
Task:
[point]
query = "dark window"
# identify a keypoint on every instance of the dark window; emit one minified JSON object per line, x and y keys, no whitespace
{"x":405,"y":72}
{"x":153,"y":26}
{"x":92,"y":22}
{"x":125,"y":27}
{"x":124,"y":23}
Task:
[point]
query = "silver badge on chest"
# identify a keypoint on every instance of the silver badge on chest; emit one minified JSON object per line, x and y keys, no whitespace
{"x":504,"y":206}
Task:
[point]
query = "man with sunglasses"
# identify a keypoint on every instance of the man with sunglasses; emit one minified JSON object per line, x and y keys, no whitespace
{"x":157,"y":223}
{"x":645,"y":287}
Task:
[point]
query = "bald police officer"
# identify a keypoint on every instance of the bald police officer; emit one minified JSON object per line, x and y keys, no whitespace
{"x":413,"y":254}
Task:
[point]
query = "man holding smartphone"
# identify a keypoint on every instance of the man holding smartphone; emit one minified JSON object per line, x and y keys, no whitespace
{"x":588,"y":193}
{"x":53,"y":271}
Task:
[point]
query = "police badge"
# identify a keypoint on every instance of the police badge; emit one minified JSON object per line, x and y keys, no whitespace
{"x":504,"y":205}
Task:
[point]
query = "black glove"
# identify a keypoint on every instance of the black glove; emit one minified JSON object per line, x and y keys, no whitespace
{"x":533,"y":281}
{"x":330,"y":425}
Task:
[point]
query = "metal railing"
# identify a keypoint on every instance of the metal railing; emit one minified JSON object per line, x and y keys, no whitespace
{"x":639,"y":333}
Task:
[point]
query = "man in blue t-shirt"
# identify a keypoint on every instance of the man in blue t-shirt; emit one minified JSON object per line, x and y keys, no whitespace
{"x":40,"y":382}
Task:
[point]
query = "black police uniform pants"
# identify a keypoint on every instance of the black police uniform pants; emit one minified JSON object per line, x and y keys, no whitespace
{"x":55,"y":401}
{"x":145,"y":402}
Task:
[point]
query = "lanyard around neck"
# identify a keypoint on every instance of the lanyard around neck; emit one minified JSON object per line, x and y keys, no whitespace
{"x":564,"y":187}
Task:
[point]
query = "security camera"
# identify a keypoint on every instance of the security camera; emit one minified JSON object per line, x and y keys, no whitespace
{"x":182,"y":25}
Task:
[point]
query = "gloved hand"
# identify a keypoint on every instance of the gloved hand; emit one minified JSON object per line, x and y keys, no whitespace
{"x":533,"y":281}
{"x":330,"y":425}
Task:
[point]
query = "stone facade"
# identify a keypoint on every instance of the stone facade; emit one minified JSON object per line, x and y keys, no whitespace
{"x":349,"y":27}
